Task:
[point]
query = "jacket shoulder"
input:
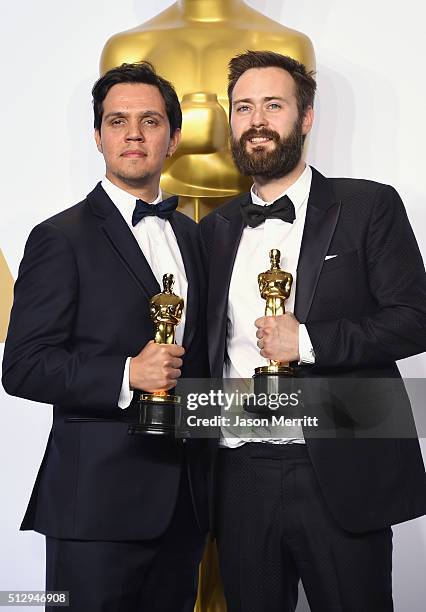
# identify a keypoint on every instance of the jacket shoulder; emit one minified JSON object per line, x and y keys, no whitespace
{"x":343,"y":187}
{"x":68,"y":217}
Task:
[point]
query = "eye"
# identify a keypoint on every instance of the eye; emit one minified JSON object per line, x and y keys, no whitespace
{"x":117,"y":121}
{"x":243,"y":108}
{"x":150,"y":122}
{"x":274,"y":106}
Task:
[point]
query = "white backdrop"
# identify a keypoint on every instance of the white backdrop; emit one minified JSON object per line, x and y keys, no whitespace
{"x":371,"y":90}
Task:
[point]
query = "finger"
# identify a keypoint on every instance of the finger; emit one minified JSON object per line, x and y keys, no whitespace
{"x":171,"y":382}
{"x":174,"y":362}
{"x":269,"y":323}
{"x":260,"y":344}
{"x":259,"y":333}
{"x":171,"y":351}
{"x":176,"y":350}
{"x":172,"y":373}
{"x":146,"y":346}
{"x":260,"y":322}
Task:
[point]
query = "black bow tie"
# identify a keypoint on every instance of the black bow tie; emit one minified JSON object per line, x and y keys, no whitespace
{"x":163,"y":209}
{"x":254,"y":215}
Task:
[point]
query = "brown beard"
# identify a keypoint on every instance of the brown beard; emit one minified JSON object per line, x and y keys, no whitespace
{"x":268,"y":164}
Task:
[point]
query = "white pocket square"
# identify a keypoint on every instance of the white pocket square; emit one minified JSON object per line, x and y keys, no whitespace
{"x":330,"y":257}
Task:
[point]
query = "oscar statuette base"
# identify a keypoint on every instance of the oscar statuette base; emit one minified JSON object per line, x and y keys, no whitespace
{"x":270,"y":381}
{"x":157,"y":414}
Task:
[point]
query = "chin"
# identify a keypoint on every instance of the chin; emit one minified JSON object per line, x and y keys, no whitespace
{"x":134,"y":179}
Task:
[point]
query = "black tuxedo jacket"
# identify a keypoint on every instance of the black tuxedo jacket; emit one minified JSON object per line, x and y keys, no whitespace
{"x":81,"y":308}
{"x":363,"y":310}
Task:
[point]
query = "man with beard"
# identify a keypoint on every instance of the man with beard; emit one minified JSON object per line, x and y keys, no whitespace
{"x":306,"y":507}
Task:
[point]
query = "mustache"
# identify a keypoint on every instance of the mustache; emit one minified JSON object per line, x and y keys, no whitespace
{"x":260,"y":133}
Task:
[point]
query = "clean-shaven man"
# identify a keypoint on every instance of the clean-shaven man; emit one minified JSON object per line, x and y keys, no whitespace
{"x":124,"y":516}
{"x":309,"y":507}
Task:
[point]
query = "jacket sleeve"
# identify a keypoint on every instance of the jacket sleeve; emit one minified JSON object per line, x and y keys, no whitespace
{"x":396,"y":277}
{"x":40,"y":362}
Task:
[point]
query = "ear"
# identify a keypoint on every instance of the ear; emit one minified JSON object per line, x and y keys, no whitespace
{"x":308,"y":120}
{"x":98,"y":140}
{"x":174,"y":141}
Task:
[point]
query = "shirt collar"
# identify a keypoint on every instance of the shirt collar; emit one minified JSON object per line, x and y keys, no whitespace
{"x":298,"y":192}
{"x":123,"y":200}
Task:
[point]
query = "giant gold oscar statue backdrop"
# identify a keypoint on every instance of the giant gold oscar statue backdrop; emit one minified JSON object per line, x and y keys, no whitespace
{"x":190,"y":44}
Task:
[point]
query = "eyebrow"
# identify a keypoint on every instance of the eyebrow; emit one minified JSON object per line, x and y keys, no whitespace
{"x":146,"y":113}
{"x":265,"y":99}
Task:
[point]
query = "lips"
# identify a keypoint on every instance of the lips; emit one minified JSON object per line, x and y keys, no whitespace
{"x":133,"y":153}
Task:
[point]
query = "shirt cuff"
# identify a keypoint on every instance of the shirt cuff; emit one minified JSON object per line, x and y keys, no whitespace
{"x":126,"y":394}
{"x":306,"y":350}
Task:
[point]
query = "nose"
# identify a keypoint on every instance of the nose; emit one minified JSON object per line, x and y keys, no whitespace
{"x":134,"y":132}
{"x":258,"y":118}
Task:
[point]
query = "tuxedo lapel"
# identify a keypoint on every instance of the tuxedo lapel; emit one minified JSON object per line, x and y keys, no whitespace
{"x":228,"y":231}
{"x":190,"y":261}
{"x":322,"y":214}
{"x":122,"y":240}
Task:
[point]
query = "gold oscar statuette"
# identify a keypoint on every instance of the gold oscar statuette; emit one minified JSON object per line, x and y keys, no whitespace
{"x":275,"y":378}
{"x":157,"y":411}
{"x":275,"y":286}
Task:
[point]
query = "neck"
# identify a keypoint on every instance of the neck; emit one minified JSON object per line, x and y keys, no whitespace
{"x":209,"y":10}
{"x":142,"y":191}
{"x":269,"y":190}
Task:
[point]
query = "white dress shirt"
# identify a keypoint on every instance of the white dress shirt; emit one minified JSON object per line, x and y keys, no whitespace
{"x":245,"y":304}
{"x":158,"y":243}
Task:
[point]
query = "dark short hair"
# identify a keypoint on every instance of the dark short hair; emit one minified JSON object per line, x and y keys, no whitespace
{"x":139,"y":72}
{"x":304,"y":79}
